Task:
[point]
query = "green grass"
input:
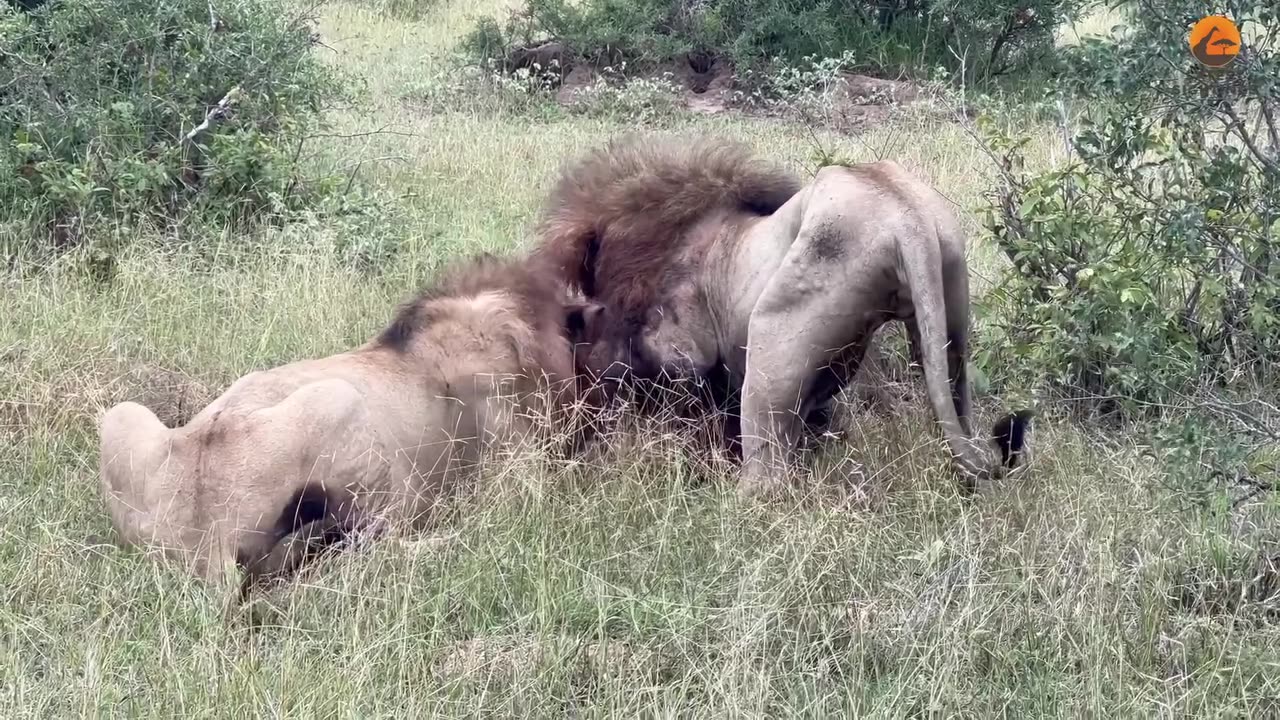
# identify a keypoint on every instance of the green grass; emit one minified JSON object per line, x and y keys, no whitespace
{"x":634,"y":585}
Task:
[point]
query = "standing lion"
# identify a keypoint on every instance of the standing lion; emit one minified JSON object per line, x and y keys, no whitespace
{"x":710,"y":262}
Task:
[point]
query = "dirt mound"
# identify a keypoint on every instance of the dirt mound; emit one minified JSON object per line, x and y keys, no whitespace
{"x":544,"y":57}
{"x":701,"y":84}
{"x":856,"y":102}
{"x":707,"y":90}
{"x":705,"y":84}
{"x":574,"y":83}
{"x":867,"y":90}
{"x":708,"y":83}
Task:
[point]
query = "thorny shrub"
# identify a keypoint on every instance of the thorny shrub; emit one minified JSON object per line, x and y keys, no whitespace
{"x":1147,"y":266}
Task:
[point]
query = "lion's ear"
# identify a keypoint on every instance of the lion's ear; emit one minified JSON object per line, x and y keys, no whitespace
{"x":584,"y":321}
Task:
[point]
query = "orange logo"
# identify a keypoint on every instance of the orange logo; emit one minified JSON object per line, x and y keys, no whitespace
{"x":1215,"y":41}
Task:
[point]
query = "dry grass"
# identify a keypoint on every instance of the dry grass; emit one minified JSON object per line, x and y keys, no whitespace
{"x":631,"y":585}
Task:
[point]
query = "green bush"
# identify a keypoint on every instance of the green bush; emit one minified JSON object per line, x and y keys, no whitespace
{"x":102,"y":104}
{"x":1147,"y":270}
{"x":983,"y":38}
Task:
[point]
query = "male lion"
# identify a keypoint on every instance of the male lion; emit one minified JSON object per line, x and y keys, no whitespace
{"x":291,"y":460}
{"x":712,"y":263}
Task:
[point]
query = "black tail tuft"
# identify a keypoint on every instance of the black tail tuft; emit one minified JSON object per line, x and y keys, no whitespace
{"x":1010,"y":435}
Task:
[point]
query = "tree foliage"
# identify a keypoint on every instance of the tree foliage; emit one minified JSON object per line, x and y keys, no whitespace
{"x":102,"y":104}
{"x":1147,"y":267}
{"x":983,"y":38}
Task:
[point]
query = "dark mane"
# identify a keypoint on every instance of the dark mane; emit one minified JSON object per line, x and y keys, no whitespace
{"x":614,"y":221}
{"x":531,"y":283}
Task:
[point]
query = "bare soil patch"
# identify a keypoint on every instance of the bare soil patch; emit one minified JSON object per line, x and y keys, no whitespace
{"x":708,"y":85}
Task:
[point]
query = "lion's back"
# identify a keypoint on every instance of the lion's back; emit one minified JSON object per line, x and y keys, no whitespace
{"x":887,"y":190}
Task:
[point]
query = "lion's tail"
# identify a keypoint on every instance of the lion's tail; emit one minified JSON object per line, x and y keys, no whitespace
{"x":646,"y":190}
{"x":921,"y":258}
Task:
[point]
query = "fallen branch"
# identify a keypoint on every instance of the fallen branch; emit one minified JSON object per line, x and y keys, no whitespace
{"x":216,"y":113}
{"x":1247,"y":417}
{"x":1264,"y":161}
{"x":380,"y":131}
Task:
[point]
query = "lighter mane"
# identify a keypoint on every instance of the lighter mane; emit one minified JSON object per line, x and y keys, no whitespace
{"x":529,"y":290}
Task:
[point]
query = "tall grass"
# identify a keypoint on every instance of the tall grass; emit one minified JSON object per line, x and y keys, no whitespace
{"x":630,"y":585}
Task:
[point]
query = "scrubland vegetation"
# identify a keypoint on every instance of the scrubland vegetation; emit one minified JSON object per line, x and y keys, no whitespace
{"x":1123,"y":206}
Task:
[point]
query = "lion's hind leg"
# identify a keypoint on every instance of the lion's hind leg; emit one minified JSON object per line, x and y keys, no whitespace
{"x":314,"y":524}
{"x":329,"y":452}
{"x":134,"y":453}
{"x":819,"y":306}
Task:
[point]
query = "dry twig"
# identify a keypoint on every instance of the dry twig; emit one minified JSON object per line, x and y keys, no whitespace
{"x":216,"y":113}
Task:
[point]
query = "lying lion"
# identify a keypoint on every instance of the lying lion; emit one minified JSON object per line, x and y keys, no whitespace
{"x":712,"y":264}
{"x":292,"y":460}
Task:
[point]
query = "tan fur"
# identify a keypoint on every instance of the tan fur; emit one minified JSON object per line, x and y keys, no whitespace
{"x":376,"y":433}
{"x":780,"y":297}
{"x":643,"y":194}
